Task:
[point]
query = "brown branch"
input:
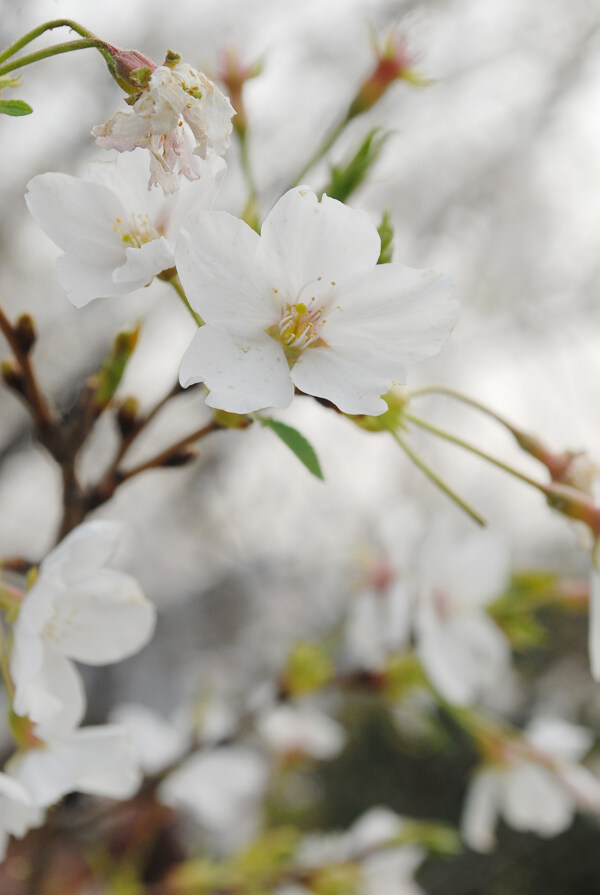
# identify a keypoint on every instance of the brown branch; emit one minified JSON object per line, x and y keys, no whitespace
{"x":31,"y":393}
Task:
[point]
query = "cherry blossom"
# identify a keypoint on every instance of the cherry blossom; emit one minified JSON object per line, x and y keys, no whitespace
{"x":99,"y":761}
{"x":158,"y":743}
{"x":18,"y":812}
{"x":181,"y":117}
{"x":301,"y":730}
{"x":462,"y":650}
{"x":537,"y":787}
{"x":115,"y":235}
{"x":77,"y":609}
{"x":304,"y":304}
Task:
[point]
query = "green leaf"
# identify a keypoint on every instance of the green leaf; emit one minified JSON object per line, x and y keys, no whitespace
{"x":296,"y":443}
{"x":345,"y":179}
{"x":386,"y":234}
{"x":14,"y":107}
{"x":111,"y":372}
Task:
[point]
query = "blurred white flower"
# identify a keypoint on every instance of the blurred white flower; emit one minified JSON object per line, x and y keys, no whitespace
{"x":301,"y":729}
{"x":537,"y":788}
{"x":380,"y":618}
{"x":18,"y":813}
{"x":99,"y":761}
{"x":462,"y":650}
{"x":304,"y":304}
{"x":77,"y":609}
{"x":391,"y":871}
{"x":222,"y":789}
{"x":115,"y":235}
{"x":158,"y":743}
{"x":180,"y":117}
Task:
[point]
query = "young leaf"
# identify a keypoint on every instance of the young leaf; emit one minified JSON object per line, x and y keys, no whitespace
{"x":296,"y":443}
{"x":345,"y":179}
{"x":14,"y":107}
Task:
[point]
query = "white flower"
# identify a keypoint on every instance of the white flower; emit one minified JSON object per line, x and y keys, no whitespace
{"x":391,"y":871}
{"x":77,"y":609}
{"x":181,"y":117}
{"x":157,"y":742}
{"x":305,"y":304}
{"x":537,"y":788}
{"x":115,"y":235}
{"x":18,"y":813}
{"x":293,"y":729}
{"x":462,"y":650}
{"x":380,"y":618}
{"x":222,"y":789}
{"x":99,"y":761}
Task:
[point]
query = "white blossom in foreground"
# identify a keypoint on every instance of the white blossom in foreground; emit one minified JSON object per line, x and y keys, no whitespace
{"x":18,"y":812}
{"x":538,"y":786}
{"x":594,"y":619}
{"x":115,"y":235}
{"x":462,"y":650}
{"x":301,"y":730}
{"x":100,"y":761}
{"x":222,"y":789}
{"x":304,"y":304}
{"x":77,"y":609}
{"x":181,"y":117}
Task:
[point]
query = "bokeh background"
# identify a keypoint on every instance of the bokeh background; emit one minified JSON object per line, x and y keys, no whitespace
{"x":492,"y":174}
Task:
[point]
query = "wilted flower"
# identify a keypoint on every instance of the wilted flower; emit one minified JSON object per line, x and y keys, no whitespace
{"x":305,"y":304}
{"x":116,"y":236}
{"x":180,"y":116}
{"x":77,"y":609}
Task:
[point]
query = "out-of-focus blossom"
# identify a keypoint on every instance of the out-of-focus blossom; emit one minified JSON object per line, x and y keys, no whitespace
{"x":77,"y":609}
{"x":99,"y":761}
{"x":304,"y":304}
{"x":301,"y":730}
{"x":180,"y":116}
{"x":158,"y":743}
{"x":18,"y":812}
{"x":115,"y":235}
{"x":462,"y":650}
{"x":380,"y":618}
{"x":222,"y":789}
{"x":538,"y":786}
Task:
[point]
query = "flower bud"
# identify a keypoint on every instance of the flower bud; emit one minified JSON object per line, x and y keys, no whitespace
{"x":12,"y":376}
{"x":130,"y":69}
{"x":25,"y":333}
{"x":127,"y":415}
{"x":180,"y":458}
{"x":394,"y":62}
{"x":234,"y":73}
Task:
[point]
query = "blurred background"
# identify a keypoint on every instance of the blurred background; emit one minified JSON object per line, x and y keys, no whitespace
{"x":492,"y":175}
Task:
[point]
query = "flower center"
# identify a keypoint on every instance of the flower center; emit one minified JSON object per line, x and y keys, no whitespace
{"x":299,"y":325}
{"x":136,"y":231}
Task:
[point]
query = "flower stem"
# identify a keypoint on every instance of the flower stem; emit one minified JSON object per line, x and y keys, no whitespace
{"x":4,"y":665}
{"x":56,"y":50}
{"x":437,"y":481}
{"x":322,"y":150}
{"x":465,"y":399}
{"x":41,"y":29}
{"x":459,"y":442}
{"x":175,"y":282}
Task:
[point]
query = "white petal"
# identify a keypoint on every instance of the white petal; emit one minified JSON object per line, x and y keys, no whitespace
{"x":481,"y":809}
{"x":303,"y":729}
{"x":534,"y":800}
{"x":96,"y":760}
{"x":393,"y":316}
{"x":390,"y":872}
{"x":102,"y":618}
{"x":559,"y":738}
{"x":86,"y":273}
{"x":54,"y":698}
{"x":144,"y":262}
{"x":124,"y":131}
{"x":303,"y":239}
{"x":343,"y":378}
{"x":470,"y":572}
{"x":241,"y":373}
{"x":86,"y":549}
{"x":594,"y":624}
{"x":69,"y":209}
{"x":17,"y":811}
{"x":374,"y":828}
{"x":216,"y":261}
{"x":157,"y":742}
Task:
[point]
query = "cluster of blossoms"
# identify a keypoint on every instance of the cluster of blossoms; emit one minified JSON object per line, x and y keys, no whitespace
{"x":77,"y":609}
